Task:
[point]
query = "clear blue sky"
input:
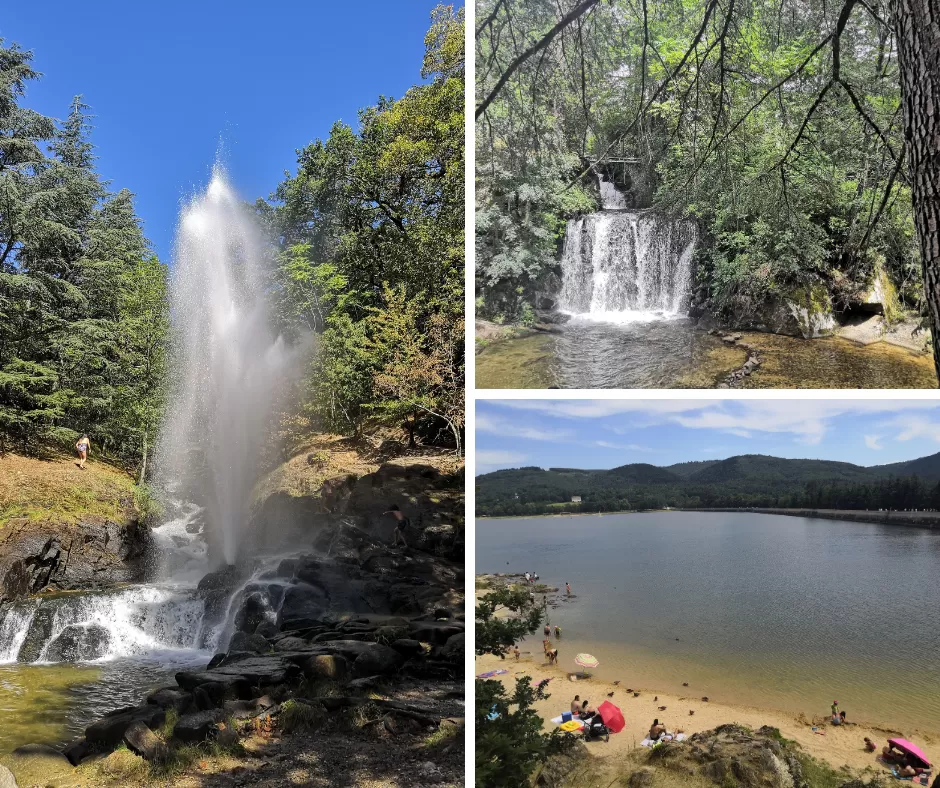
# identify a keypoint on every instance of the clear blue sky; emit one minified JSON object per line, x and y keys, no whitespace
{"x":169,"y":81}
{"x":608,"y":433}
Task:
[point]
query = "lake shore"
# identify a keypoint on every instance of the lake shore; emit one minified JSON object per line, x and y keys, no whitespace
{"x":929,"y":520}
{"x":838,"y":746}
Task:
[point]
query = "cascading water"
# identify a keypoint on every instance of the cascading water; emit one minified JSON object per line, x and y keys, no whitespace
{"x":228,"y":365}
{"x":620,"y":265}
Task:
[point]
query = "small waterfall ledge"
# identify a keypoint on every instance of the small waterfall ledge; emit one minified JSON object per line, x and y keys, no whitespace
{"x":621,"y":266}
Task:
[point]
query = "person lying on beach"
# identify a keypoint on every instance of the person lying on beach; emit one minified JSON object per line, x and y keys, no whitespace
{"x":906,"y":770}
{"x":891,"y":755}
{"x":656,"y":730}
{"x":576,"y":705}
{"x":870,"y":746}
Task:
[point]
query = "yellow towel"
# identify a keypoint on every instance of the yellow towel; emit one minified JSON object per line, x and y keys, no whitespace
{"x":571,"y":725}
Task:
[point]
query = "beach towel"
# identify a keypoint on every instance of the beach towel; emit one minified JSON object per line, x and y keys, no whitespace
{"x":920,"y":779}
{"x":536,"y":682}
{"x":491,"y":673}
{"x":559,"y":720}
{"x":572,"y":725}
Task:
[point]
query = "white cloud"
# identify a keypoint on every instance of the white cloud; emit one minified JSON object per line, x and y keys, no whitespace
{"x":873,"y":442}
{"x":495,"y":425}
{"x":917,"y":427}
{"x":493,"y":459}
{"x":624,"y":446}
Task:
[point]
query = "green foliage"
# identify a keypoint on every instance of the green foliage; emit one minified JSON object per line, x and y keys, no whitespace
{"x":788,"y":193}
{"x":497,"y":634}
{"x":83,"y":311}
{"x":371,"y":254}
{"x":750,"y":480}
{"x":511,"y":744}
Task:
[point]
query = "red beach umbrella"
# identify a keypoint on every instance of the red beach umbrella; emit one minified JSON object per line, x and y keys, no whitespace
{"x":612,"y":716}
{"x":911,"y":749}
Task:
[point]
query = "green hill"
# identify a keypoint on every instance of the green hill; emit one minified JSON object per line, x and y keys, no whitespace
{"x":740,"y":481}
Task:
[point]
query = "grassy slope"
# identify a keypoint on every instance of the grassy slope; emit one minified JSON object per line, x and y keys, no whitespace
{"x":57,"y":490}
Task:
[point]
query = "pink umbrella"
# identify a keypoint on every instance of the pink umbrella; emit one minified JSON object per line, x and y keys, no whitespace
{"x":911,"y":749}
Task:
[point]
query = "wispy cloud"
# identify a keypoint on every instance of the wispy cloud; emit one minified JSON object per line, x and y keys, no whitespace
{"x":917,"y":427}
{"x":496,"y":425}
{"x":873,"y":442}
{"x":624,"y":446}
{"x":493,"y":459}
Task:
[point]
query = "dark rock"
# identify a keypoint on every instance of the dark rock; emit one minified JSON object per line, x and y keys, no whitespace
{"x":245,"y":709}
{"x":79,"y":642}
{"x":292,"y":644}
{"x":430,"y":632}
{"x":216,"y":660}
{"x":267,"y":629}
{"x":38,"y":751}
{"x":380,"y":660}
{"x":109,"y":730}
{"x":197,"y":727}
{"x":189,"y":680}
{"x":244,"y":642}
{"x":171,"y":698}
{"x":303,"y":601}
{"x":77,"y":751}
{"x":225,"y":579}
{"x":407,"y":647}
{"x":202,"y":699}
{"x":142,"y":741}
{"x":454,"y":648}
{"x":40,"y":630}
{"x":364,"y":683}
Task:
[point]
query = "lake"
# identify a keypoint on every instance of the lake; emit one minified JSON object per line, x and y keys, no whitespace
{"x":768,"y":611}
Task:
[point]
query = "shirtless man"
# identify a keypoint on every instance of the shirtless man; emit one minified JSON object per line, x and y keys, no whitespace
{"x":656,"y":730}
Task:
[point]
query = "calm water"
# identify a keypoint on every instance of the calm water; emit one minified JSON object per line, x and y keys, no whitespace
{"x":54,"y":703}
{"x":762,"y":610}
{"x":670,"y":354}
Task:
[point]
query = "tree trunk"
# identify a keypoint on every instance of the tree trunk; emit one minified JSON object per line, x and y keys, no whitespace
{"x":143,"y":463}
{"x":918,"y":32}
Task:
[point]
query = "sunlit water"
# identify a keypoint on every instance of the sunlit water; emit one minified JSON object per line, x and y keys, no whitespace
{"x":761,"y":610}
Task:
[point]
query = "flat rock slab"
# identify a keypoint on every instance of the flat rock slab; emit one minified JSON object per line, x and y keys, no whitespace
{"x":197,"y":727}
{"x":109,"y":731}
{"x":39,"y":751}
{"x":171,"y":698}
{"x":142,"y":741}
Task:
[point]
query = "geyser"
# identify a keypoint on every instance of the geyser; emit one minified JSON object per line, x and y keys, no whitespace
{"x":227,"y":364}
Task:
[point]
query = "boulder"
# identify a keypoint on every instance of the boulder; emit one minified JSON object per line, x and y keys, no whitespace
{"x":432,"y":632}
{"x":39,"y":751}
{"x":171,"y":698}
{"x":408,"y":647}
{"x":6,"y":778}
{"x":244,"y":709}
{"x":202,"y":699}
{"x":38,"y":634}
{"x":242,"y":641}
{"x":77,"y":751}
{"x":197,"y":727}
{"x":454,"y":648}
{"x":190,"y":679}
{"x":109,"y":730}
{"x":303,"y":601}
{"x":79,"y":642}
{"x":380,"y":660}
{"x":292,"y":644}
{"x":142,"y":741}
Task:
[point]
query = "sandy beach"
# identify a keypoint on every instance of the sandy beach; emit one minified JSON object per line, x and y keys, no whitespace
{"x":839,"y":746}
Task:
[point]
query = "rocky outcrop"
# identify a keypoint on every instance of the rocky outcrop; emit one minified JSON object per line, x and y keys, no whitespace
{"x":90,"y":554}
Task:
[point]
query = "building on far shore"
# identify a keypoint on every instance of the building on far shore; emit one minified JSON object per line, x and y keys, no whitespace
{"x":575,"y":499}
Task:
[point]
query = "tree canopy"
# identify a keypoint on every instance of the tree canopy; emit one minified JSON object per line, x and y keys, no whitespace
{"x":370,"y":242}
{"x":83,"y":305}
{"x":777,"y":126}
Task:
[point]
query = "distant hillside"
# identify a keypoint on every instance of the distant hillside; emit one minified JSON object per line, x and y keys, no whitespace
{"x":744,"y":480}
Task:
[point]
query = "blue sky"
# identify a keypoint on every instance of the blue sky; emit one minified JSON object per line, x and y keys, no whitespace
{"x":608,"y":433}
{"x":168,"y":82}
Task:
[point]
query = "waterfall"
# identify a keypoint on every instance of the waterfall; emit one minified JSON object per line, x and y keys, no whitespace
{"x":626,"y":265}
{"x":228,"y":366}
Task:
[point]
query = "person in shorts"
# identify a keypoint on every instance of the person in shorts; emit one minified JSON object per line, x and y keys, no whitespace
{"x":401,"y":523}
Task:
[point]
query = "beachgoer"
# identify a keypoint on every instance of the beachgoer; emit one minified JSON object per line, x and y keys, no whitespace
{"x":553,"y":657}
{"x":568,"y":588}
{"x":891,"y":755}
{"x":548,"y":630}
{"x":515,"y":651}
{"x":656,"y":730}
{"x":401,"y":523}
{"x":527,"y":577}
{"x":836,"y":719}
{"x":842,"y":716}
{"x":82,"y":447}
{"x":870,"y":745}
{"x":835,"y":708}
{"x":557,"y":631}
{"x":576,"y":705}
